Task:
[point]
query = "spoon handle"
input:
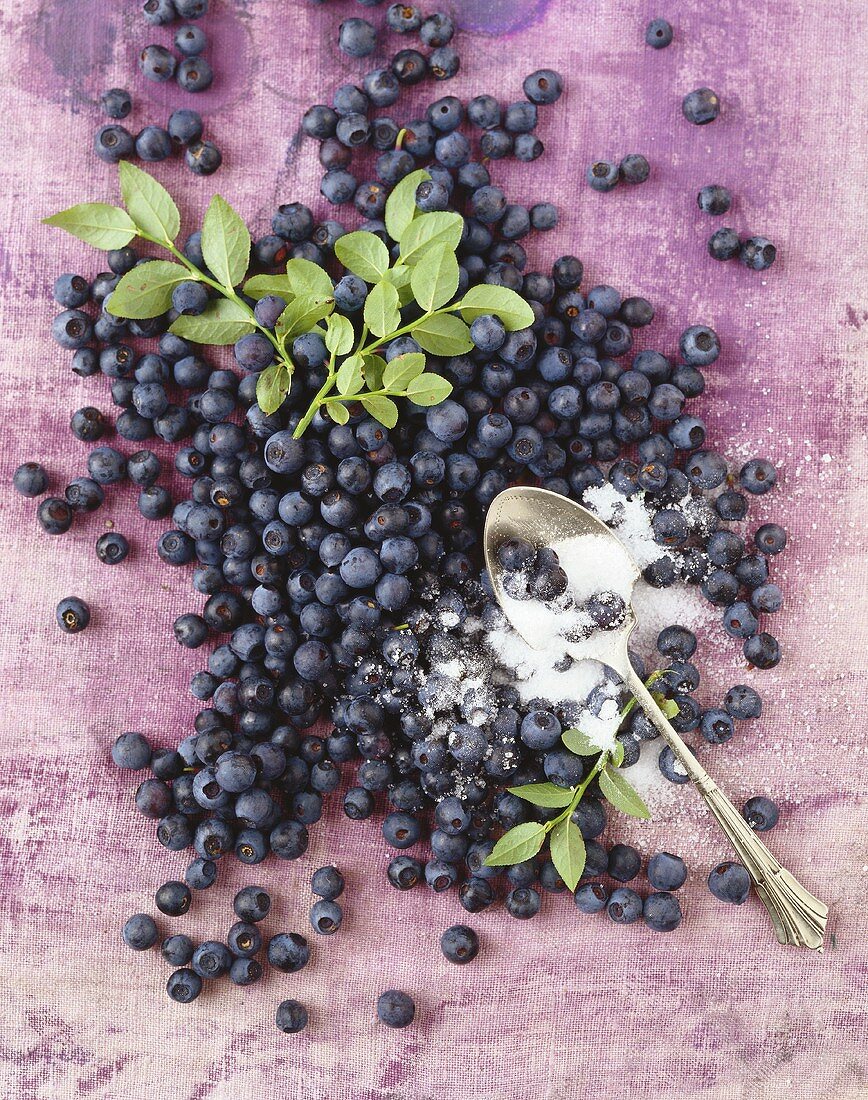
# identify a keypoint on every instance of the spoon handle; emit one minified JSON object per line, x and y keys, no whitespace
{"x":799,"y":918}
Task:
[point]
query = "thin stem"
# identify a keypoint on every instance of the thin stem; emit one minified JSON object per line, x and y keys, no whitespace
{"x":403,"y":330}
{"x":320,"y":399}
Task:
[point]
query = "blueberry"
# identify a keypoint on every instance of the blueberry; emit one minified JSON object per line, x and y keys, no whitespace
{"x":252,"y":904}
{"x":71,"y":291}
{"x":662,"y":912}
{"x":762,"y":650}
{"x":403,"y":18}
{"x":460,"y":944}
{"x":475,"y":894}
{"x":194,"y":74}
{"x":55,"y":516}
{"x":191,"y":9}
{"x":291,"y":1017}
{"x":153,"y":143}
{"x":624,"y":906}
{"x":184,"y":986}
{"x":437,"y":30}
{"x":83,"y":494}
{"x":112,"y":548}
{"x":767,"y":597}
{"x":700,"y":345}
{"x":602,"y":175}
{"x":757,"y":253}
{"x":716,"y":726}
{"x":729,"y":882}
{"x":72,"y":329}
{"x":743,"y":702}
{"x":131,"y":750}
{"x":771,"y":538}
{"x":543,"y":216}
{"x":190,"y":41}
{"x":523,"y":902}
{"x":444,"y":63}
{"x":714,"y":199}
{"x":701,"y":106}
{"x":113,"y":143}
{"x":30,"y":479}
{"x":666,"y":871}
{"x":177,"y":950}
{"x":173,"y":898}
{"x":245,"y":971}
{"x":624,"y":862}
{"x":401,"y":830}
{"x":72,"y":614}
{"x":244,"y":939}
{"x":203,"y":158}
{"x":140,"y":932}
{"x":634,"y":168}
{"x":671,"y":767}
{"x":211,"y":959}
{"x":159,"y":12}
{"x":395,"y":1008}
{"x":326,"y":917}
{"x":658,"y":34}
{"x":760,"y":813}
{"x":288,"y":952}
{"x":543,"y":86}
{"x":591,"y":897}
{"x":157,"y":63}
{"x":409,"y":67}
{"x":201,"y":874}
{"x":357,"y":37}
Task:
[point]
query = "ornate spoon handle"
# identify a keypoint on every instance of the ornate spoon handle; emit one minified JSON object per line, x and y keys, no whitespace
{"x":798,"y":917}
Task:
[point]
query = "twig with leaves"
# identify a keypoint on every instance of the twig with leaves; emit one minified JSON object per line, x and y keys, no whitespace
{"x":413,"y":296}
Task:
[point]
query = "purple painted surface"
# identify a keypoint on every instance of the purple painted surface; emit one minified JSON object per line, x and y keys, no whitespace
{"x":561,"y":1007}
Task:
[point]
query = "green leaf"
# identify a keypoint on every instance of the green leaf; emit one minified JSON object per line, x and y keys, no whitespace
{"x":621,"y":794}
{"x":364,"y":254}
{"x":428,"y":389}
{"x":301,"y":315}
{"x":580,"y":743}
{"x":381,"y":309}
{"x":399,"y":277}
{"x":669,"y":707}
{"x":401,"y":206}
{"x":443,"y":334}
{"x":223,"y":322}
{"x":338,"y":412}
{"x":374,"y":368}
{"x":435,"y":281}
{"x":96,"y":223}
{"x":149,"y":203}
{"x":146,"y":291}
{"x":543,"y":794}
{"x":225,"y":243}
{"x":616,"y":755}
{"x":428,"y":231}
{"x":521,"y":843}
{"x":339,"y":335}
{"x":568,"y":851}
{"x":381,"y":408}
{"x":350,"y":378}
{"x":499,"y":300}
{"x":272,"y":386}
{"x":260,"y":285}
{"x":401,"y":371}
{"x":307,"y":279}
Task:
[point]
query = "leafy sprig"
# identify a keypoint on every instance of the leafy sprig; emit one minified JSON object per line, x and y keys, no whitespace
{"x":413,"y":294}
{"x":566,"y":845}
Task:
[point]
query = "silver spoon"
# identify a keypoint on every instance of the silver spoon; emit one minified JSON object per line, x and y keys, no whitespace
{"x":543,"y":518}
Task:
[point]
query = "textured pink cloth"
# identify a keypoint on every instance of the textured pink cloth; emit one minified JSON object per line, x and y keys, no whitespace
{"x":564,"y":1006}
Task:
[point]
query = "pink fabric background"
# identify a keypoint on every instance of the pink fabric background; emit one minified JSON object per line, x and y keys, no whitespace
{"x":564,"y":1006}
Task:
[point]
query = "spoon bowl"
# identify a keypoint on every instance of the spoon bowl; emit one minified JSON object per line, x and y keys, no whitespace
{"x":544,"y":518}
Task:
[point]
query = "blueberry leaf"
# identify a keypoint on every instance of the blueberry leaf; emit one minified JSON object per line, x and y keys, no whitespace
{"x":307,"y":279}
{"x":149,"y":203}
{"x":669,"y":707}
{"x":616,"y":755}
{"x":223,"y":322}
{"x":225,"y":243}
{"x":399,"y":277}
{"x":429,"y":231}
{"x":499,"y":300}
{"x":382,"y":409}
{"x":580,"y":743}
{"x":435,"y":281}
{"x":340,"y":334}
{"x":96,"y":223}
{"x":520,"y":843}
{"x":401,"y":371}
{"x":272,"y":386}
{"x":146,"y":291}
{"x":338,"y":412}
{"x":374,"y":367}
{"x":443,"y":334}
{"x":302,"y":315}
{"x":260,"y":285}
{"x":543,"y":794}
{"x":401,"y":206}
{"x":568,"y":851}
{"x":428,"y":389}
{"x":621,"y":793}
{"x":364,"y":254}
{"x":350,"y":378}
{"x":381,"y":309}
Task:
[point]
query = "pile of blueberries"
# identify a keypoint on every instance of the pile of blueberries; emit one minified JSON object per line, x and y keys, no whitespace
{"x":339,"y":568}
{"x":193,"y":72}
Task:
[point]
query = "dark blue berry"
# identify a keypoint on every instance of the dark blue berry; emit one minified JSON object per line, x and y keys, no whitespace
{"x":701,"y":106}
{"x":140,"y":932}
{"x":666,"y":871}
{"x":662,"y":912}
{"x":395,"y":1008}
{"x":729,"y":882}
{"x":658,"y":34}
{"x":291,"y":1017}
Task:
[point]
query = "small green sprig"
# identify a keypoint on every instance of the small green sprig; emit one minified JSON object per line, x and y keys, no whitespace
{"x":566,"y":845}
{"x":412,"y":294}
